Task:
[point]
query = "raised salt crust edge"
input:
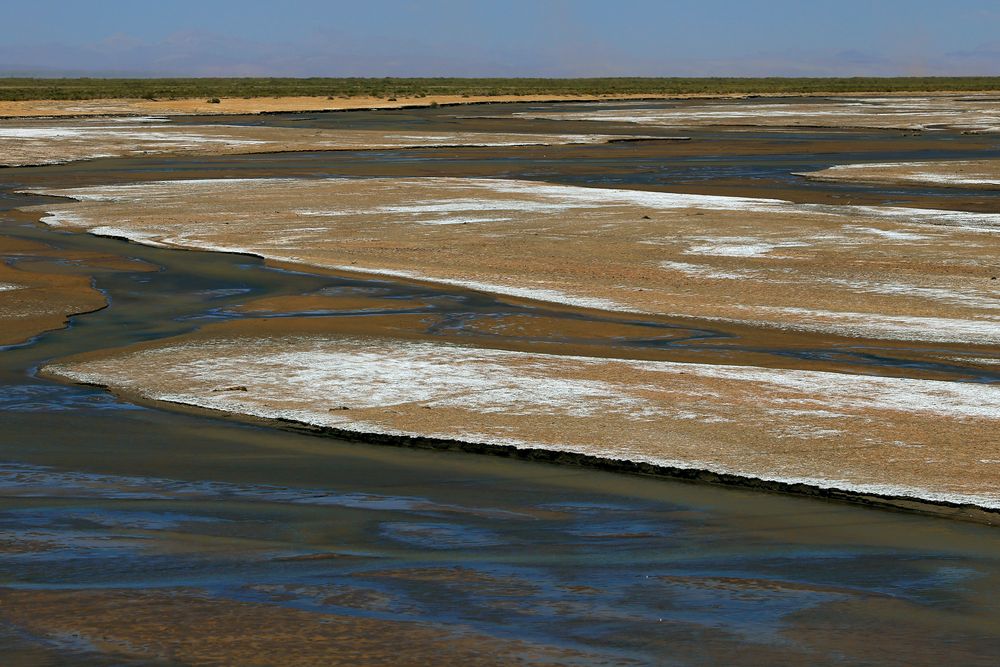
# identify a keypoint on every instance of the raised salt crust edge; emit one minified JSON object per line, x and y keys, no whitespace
{"x":896,"y":393}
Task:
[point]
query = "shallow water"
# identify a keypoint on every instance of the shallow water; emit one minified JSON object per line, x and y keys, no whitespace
{"x":99,"y":494}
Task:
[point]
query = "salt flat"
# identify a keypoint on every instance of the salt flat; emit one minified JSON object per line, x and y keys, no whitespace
{"x":860,"y":271}
{"x":35,"y":142}
{"x":921,"y":439}
{"x":974,"y":174}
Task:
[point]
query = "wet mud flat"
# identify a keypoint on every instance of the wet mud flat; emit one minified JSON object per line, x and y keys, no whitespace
{"x":113,"y":511}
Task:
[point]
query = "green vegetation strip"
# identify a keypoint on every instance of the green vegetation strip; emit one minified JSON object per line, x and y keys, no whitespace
{"x":84,"y":89}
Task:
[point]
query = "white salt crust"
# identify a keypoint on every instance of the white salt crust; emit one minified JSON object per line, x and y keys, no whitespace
{"x":299,"y":378}
{"x":458,"y":205}
{"x":919,"y":172}
{"x":901,"y":113}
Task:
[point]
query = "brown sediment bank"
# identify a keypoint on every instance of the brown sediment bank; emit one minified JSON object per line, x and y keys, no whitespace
{"x":38,"y":294}
{"x":190,"y":626}
{"x":968,"y":113}
{"x":971,"y":174}
{"x":38,"y":142}
{"x":565,"y":330}
{"x":890,"y":441}
{"x":857,"y":271}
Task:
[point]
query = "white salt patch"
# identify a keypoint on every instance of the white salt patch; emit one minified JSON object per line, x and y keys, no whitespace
{"x":895,"y":327}
{"x":931,"y":216}
{"x":894,"y":234}
{"x":741,"y":249}
{"x":569,"y":195}
{"x":985,"y":361}
{"x":703,"y":271}
{"x":459,"y":221}
{"x":7,"y":287}
{"x":922,"y":172}
{"x":299,"y":378}
{"x":533,"y":293}
{"x":967,"y":298}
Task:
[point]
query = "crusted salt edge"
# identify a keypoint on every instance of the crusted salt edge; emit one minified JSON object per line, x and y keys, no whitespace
{"x":894,"y":393}
{"x":704,"y":271}
{"x":507,"y":139}
{"x":940,"y":294}
{"x":911,"y":114}
{"x":894,"y":327}
{"x":533,"y":293}
{"x":7,"y":287}
{"x":366,"y":428}
{"x":893,"y":234}
{"x":744,"y":249}
{"x":931,"y":173}
{"x":566,"y":197}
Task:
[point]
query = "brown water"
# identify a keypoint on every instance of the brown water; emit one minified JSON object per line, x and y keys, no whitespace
{"x":105,"y":498}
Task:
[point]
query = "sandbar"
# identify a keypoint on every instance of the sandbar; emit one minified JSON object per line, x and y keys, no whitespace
{"x":921,"y":439}
{"x":971,"y":174}
{"x":860,"y":271}
{"x":37,"y":142}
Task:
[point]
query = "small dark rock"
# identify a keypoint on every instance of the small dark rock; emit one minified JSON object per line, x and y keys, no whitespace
{"x":342,"y":407}
{"x":236,"y":388}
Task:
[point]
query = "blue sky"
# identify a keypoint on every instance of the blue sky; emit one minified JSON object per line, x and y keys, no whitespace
{"x":503,"y":37}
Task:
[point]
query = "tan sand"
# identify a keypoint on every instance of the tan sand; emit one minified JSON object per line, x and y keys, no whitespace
{"x":35,"y":296}
{"x":187,"y":626}
{"x":923,"y":439}
{"x":35,"y":142}
{"x":969,"y":113}
{"x":872,"y":272}
{"x":971,"y":174}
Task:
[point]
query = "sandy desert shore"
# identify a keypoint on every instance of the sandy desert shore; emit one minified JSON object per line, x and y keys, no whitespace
{"x":968,"y":113}
{"x":37,"y":142}
{"x":861,"y":271}
{"x":922,"y":439}
{"x":974,"y":174}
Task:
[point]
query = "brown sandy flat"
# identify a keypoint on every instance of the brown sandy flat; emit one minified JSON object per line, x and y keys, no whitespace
{"x":925,"y":439}
{"x":873,"y":272}
{"x":34,"y":142}
{"x":185,"y":626}
{"x":36,"y":296}
{"x":972,"y":174}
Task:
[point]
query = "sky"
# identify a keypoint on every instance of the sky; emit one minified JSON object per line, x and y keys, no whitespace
{"x":552,"y":38}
